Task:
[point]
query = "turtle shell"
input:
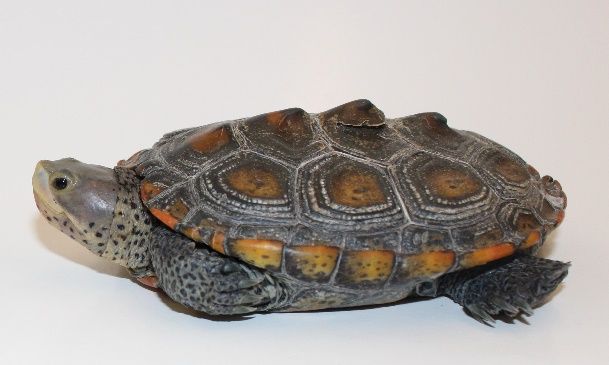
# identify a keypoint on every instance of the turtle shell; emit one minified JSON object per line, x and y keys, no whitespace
{"x":347,"y":197}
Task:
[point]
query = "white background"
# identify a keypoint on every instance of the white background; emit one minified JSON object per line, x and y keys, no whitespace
{"x":100,"y":80}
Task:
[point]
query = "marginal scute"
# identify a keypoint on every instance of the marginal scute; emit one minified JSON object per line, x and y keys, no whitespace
{"x":162,"y":215}
{"x":485,"y":255}
{"x":365,"y":267}
{"x":217,"y":241}
{"x":262,"y":253}
{"x":311,"y":262}
{"x":193,"y":233}
{"x":533,"y":238}
{"x":526,"y":225}
{"x":550,"y":213}
{"x":178,"y":209}
{"x":149,"y":190}
{"x":426,"y":265}
{"x":355,"y":113}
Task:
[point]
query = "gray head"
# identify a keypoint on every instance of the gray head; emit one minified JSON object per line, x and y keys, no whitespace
{"x":77,"y":198}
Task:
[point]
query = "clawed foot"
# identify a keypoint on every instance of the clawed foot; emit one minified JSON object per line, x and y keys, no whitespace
{"x":484,"y":311}
{"x":512,"y":288}
{"x":207,"y":281}
{"x":238,"y":289}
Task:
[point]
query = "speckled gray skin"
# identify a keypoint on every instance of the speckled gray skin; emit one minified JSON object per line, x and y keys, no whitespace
{"x":131,"y":228}
{"x":291,"y":211}
{"x":210,"y":282}
{"x":511,"y":286}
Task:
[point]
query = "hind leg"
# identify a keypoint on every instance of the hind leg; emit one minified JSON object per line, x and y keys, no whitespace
{"x":510,"y":287}
{"x":204,"y":280}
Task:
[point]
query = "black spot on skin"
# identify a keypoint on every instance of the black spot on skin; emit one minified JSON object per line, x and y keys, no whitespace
{"x":91,"y":224}
{"x":98,"y":234}
{"x":133,"y":206}
{"x":115,"y":242}
{"x":72,"y":237}
{"x":71,"y":229}
{"x":65,"y":223}
{"x":120,"y":226}
{"x":147,"y":221}
{"x":85,"y":242}
{"x":100,"y":244}
{"x":49,"y":219}
{"x":136,"y":216}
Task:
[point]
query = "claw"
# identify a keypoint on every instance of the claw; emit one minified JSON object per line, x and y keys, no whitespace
{"x":248,"y":283}
{"x":506,"y":307}
{"x":228,"y":268}
{"x":245,"y":299}
{"x":524,"y":307}
{"x":480,"y":315}
{"x":243,"y":309}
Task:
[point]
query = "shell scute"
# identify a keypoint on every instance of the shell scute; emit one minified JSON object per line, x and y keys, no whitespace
{"x":428,"y":264}
{"x":365,"y":268}
{"x":289,"y":134}
{"x":359,"y":128}
{"x":442,"y":191}
{"x":312,"y":262}
{"x":262,"y":253}
{"x":347,"y":194}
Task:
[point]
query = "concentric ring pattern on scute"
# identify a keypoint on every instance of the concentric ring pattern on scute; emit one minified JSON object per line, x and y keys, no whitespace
{"x":248,"y":184}
{"x":442,"y":191}
{"x":343,"y":193}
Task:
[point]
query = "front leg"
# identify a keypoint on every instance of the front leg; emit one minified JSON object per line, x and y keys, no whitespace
{"x":204,"y":280}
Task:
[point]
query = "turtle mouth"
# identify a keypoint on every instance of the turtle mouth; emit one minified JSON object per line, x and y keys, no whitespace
{"x":42,"y":190}
{"x":48,"y":211}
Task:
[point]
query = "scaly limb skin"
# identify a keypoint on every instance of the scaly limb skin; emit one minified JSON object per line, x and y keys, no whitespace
{"x":511,"y":287}
{"x":204,"y":280}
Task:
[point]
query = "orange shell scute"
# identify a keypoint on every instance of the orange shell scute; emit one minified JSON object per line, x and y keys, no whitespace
{"x":169,"y":220}
{"x":485,"y":255}
{"x":149,"y":190}
{"x":428,"y":264}
{"x":262,"y":253}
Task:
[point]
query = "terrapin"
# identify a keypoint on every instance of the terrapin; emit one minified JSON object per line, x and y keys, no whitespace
{"x":291,"y":211}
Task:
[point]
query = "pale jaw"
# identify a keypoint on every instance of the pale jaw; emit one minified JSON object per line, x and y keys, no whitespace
{"x":77,"y":198}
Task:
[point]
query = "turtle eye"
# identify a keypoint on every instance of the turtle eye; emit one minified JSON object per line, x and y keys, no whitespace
{"x":61,"y":182}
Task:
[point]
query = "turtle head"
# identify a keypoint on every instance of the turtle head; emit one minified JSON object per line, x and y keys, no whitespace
{"x":77,"y":198}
